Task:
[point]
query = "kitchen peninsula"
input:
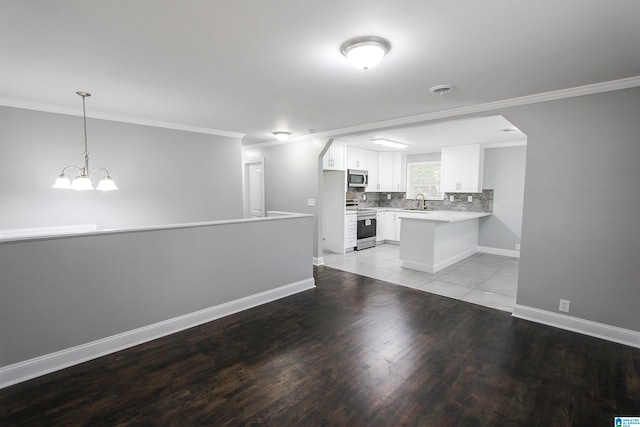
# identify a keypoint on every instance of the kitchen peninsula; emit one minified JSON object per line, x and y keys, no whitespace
{"x":433,"y":240}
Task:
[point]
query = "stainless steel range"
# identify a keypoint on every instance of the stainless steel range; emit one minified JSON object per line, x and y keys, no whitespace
{"x":366,"y":235}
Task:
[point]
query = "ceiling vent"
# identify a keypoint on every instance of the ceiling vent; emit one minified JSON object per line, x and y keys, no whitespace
{"x":441,"y":89}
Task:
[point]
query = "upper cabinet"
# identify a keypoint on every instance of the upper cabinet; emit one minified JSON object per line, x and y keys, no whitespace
{"x":462,"y":169}
{"x":372,"y":167}
{"x":391,"y":172}
{"x":334,"y":157}
{"x":356,"y":158}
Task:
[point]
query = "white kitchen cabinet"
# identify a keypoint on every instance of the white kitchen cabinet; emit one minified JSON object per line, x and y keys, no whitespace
{"x":386,"y":226}
{"x":462,"y":169}
{"x":356,"y":158}
{"x":396,"y":237}
{"x":398,"y":177}
{"x":372,"y":167}
{"x":334,"y":157}
{"x":390,"y":172}
{"x":350,"y":231}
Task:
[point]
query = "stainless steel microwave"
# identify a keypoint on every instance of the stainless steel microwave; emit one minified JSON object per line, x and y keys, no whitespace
{"x":357,"y":178}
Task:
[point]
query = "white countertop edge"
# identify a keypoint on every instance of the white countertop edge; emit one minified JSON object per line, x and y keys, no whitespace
{"x":445,"y":216}
{"x":276,"y":216}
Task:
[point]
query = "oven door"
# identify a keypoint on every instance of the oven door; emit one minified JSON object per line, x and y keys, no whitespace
{"x":366,"y":228}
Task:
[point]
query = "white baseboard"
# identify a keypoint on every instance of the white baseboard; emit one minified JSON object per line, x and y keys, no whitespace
{"x":428,"y":268}
{"x":498,"y":251}
{"x":582,"y":326}
{"x":32,"y":368}
{"x":318,"y":260}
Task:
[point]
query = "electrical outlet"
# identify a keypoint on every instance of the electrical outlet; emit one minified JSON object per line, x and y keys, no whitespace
{"x":564,"y":305}
{"x":364,"y":197}
{"x":451,"y":198}
{"x":469,"y":198}
{"x":517,"y":246}
{"x":311,"y":202}
{"x":388,"y":196}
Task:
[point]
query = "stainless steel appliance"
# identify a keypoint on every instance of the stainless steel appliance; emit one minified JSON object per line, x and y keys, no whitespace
{"x":357,"y":178}
{"x":366,"y":234}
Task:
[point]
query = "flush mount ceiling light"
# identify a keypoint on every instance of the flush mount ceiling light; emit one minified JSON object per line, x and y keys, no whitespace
{"x":388,"y":142}
{"x":83,"y":180}
{"x":365,"y":52}
{"x":281,"y":135}
{"x":441,"y":89}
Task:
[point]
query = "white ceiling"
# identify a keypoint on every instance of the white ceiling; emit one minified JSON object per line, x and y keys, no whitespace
{"x":256,"y":66}
{"x":431,"y":138}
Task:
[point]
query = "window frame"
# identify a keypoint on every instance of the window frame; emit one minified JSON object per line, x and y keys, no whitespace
{"x":408,"y":180}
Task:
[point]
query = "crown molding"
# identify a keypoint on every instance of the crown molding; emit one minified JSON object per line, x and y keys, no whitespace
{"x":592,"y":89}
{"x":50,"y":108}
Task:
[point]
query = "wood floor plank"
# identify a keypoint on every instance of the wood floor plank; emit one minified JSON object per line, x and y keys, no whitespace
{"x":354,"y":351}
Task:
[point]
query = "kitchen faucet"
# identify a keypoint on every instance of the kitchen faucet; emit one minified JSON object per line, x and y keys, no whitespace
{"x":424,"y":202}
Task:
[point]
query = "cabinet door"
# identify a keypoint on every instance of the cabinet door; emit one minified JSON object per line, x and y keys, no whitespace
{"x":451,"y":166}
{"x":372,"y":167}
{"x":334,"y":157}
{"x":385,"y":171}
{"x":471,"y":168}
{"x":398,"y":181}
{"x":462,"y":169}
{"x":356,"y":158}
{"x":386,"y":226}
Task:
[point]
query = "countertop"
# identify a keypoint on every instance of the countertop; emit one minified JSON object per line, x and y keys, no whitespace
{"x":435,"y":216}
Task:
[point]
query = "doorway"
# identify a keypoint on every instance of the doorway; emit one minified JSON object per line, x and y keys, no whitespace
{"x":254,"y":188}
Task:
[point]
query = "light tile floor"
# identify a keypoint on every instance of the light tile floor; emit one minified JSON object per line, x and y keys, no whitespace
{"x":489,"y":280}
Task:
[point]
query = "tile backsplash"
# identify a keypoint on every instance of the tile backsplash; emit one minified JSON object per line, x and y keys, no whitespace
{"x":482,"y":202}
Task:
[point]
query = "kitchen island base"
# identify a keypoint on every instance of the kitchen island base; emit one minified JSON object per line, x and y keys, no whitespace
{"x":431,"y":246}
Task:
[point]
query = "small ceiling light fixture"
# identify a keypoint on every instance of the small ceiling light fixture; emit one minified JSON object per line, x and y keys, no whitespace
{"x":441,"y":89}
{"x":380,"y":140}
{"x":281,"y":135}
{"x":365,"y":52}
{"x":83,"y":180}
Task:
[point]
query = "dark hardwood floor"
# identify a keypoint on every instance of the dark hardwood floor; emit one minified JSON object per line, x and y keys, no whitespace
{"x":353,"y":352}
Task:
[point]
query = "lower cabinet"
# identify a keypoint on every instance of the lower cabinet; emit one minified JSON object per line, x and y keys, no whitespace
{"x":386,"y":226}
{"x":350,"y":231}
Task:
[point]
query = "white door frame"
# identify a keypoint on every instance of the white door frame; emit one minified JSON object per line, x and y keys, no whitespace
{"x":246,"y":183}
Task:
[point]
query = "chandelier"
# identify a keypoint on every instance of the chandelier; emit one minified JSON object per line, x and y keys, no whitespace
{"x":83,"y":180}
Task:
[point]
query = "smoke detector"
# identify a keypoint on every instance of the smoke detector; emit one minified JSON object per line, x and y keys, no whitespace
{"x":441,"y":89}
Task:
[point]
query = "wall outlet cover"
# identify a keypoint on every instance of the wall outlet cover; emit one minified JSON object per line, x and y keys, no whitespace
{"x":469,"y":198}
{"x":388,"y":196}
{"x":451,"y":198}
{"x":564,"y":305}
{"x":517,"y":246}
{"x":311,"y":202}
{"x":364,"y":197}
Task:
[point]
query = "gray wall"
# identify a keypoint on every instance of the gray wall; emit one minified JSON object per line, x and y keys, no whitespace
{"x":504,"y":171}
{"x":200,"y":174}
{"x":580,"y":232}
{"x":63,"y":292}
{"x":292,"y":173}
